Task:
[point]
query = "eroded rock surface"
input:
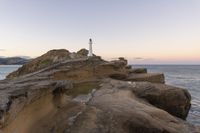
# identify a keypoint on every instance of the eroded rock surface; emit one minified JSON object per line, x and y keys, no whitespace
{"x":138,"y":70}
{"x":51,"y":57}
{"x":150,"y":77}
{"x":16,"y":95}
{"x":174,"y":100}
{"x":112,"y":106}
{"x":80,"y":95}
{"x":115,"y":108}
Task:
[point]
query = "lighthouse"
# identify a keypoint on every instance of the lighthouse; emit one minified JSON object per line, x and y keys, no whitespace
{"x":90,"y":48}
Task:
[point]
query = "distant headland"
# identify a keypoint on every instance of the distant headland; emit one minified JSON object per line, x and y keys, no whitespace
{"x":13,"y":60}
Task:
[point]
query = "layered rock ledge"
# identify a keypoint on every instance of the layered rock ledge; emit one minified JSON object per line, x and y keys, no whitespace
{"x":78,"y":94}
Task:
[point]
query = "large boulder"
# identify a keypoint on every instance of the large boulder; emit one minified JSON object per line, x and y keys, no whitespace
{"x":176,"y":101}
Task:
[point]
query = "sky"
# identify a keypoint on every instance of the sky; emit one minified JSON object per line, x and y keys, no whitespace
{"x":143,"y":31}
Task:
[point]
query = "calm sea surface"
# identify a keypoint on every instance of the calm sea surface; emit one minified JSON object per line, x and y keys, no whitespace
{"x":187,"y":76}
{"x":6,"y":69}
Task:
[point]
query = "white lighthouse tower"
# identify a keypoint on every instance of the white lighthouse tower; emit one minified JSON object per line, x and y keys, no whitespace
{"x":90,"y":48}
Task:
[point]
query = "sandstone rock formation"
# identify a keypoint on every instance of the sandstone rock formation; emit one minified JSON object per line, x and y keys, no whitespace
{"x":83,"y":52}
{"x":174,"y":100}
{"x":51,"y":57}
{"x":82,"y":95}
{"x":150,"y":77}
{"x":110,"y":106}
{"x":138,"y":70}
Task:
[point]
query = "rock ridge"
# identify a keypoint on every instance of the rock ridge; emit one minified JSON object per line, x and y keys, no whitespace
{"x":77,"y":94}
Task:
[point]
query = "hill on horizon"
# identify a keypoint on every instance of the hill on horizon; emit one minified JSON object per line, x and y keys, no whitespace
{"x":13,"y":60}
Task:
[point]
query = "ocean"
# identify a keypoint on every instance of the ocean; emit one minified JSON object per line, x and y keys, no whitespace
{"x":6,"y":69}
{"x":186,"y":76}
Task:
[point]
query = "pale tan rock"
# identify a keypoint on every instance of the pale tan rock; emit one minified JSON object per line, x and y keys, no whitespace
{"x":51,"y":57}
{"x":150,"y":77}
{"x":77,"y":96}
{"x":114,"y":108}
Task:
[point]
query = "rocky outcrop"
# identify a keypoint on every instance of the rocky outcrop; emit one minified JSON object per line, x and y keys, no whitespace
{"x":50,"y":58}
{"x":116,"y":69}
{"x":121,"y":62}
{"x":43,"y":61}
{"x":83,"y":52}
{"x":138,"y":70}
{"x":109,"y":106}
{"x":20,"y":94}
{"x":175,"y":101}
{"x":150,"y":77}
{"x":80,"y":95}
{"x":119,"y":110}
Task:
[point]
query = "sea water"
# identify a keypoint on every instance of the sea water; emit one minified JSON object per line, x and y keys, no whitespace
{"x":185,"y":76}
{"x":6,"y":69}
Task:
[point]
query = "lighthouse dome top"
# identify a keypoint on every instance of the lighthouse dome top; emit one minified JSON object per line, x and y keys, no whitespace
{"x":90,"y":41}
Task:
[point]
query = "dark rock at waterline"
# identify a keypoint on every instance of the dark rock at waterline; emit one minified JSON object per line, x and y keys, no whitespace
{"x":138,"y":70}
{"x":174,"y":100}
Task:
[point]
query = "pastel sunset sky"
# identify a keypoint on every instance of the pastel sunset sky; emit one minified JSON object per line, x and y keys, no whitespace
{"x":143,"y":31}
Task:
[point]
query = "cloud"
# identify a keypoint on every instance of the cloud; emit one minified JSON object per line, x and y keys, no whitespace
{"x":142,"y":58}
{"x":138,"y":58}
